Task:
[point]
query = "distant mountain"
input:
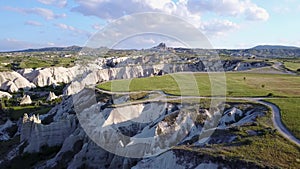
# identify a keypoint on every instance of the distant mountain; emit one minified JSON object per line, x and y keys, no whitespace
{"x":54,"y":49}
{"x":277,"y":47}
{"x":265,"y":51}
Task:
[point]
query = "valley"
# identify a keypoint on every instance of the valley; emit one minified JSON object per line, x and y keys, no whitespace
{"x":136,"y":108}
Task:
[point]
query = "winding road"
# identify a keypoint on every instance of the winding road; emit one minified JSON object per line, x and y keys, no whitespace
{"x":278,"y":123}
{"x":276,"y":118}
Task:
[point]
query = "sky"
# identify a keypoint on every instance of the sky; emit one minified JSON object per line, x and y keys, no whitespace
{"x":225,"y":23}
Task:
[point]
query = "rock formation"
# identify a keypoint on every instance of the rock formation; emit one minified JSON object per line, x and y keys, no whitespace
{"x":5,"y":95}
{"x":26,"y":100}
{"x":49,"y":76}
{"x":51,"y":96}
{"x":164,"y":123}
{"x":38,"y":135}
{"x":13,"y":81}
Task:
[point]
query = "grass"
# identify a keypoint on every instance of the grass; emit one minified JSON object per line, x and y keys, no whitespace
{"x":268,"y":149}
{"x":38,"y":62}
{"x":21,"y":62}
{"x":15,"y":112}
{"x":290,"y":115}
{"x":237,"y":84}
{"x":292,"y":65}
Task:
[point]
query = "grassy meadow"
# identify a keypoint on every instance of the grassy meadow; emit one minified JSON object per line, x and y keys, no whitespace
{"x":292,"y":65}
{"x":235,"y":84}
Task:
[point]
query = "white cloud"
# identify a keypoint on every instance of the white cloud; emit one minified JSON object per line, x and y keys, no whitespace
{"x":33,"y":23}
{"x":97,"y":26}
{"x":72,"y":29}
{"x":218,"y":27}
{"x":149,"y":23}
{"x":59,"y":3}
{"x":67,"y":27}
{"x":191,"y":11}
{"x":114,"y":9}
{"x":256,"y":13}
{"x":46,"y":13}
{"x":111,"y":9}
{"x":51,"y":44}
{"x":229,"y":8}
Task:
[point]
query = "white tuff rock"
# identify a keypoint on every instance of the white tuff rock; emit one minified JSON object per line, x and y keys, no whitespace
{"x":38,"y":135}
{"x":51,"y":76}
{"x":26,"y":100}
{"x":13,"y":81}
{"x":5,"y":95}
{"x":51,"y":96}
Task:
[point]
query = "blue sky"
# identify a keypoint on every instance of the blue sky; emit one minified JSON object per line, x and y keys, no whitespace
{"x":226,"y":23}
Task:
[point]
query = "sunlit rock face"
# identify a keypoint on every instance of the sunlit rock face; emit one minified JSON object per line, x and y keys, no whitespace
{"x":13,"y":81}
{"x":26,"y":100}
{"x":51,"y":96}
{"x":5,"y":95}
{"x":51,"y":76}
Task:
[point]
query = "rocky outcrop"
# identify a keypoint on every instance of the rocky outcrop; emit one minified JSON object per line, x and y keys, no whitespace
{"x":26,"y":100}
{"x":124,"y":130}
{"x":51,"y":96}
{"x":236,"y":117}
{"x":13,"y":81}
{"x":49,"y":76}
{"x":5,"y":95}
{"x":38,"y":135}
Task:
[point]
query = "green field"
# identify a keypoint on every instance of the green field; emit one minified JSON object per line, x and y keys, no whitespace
{"x":21,"y":62}
{"x":260,"y":149}
{"x":236,"y":84}
{"x":292,"y":65}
